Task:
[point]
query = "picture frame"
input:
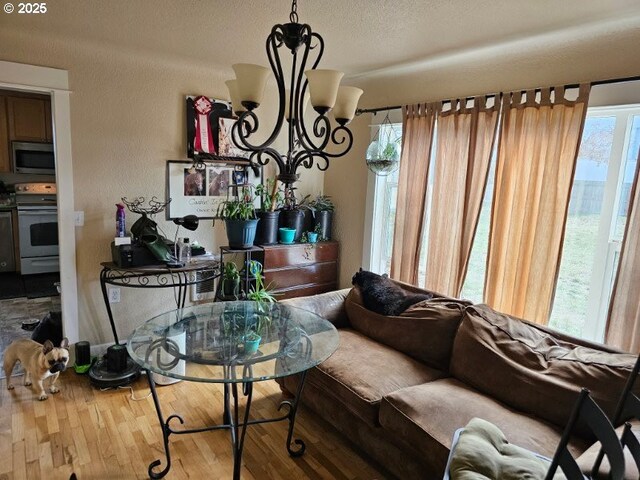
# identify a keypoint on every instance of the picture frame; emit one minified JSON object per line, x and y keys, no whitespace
{"x":203,"y":126}
{"x":227,"y":147}
{"x":199,"y":191}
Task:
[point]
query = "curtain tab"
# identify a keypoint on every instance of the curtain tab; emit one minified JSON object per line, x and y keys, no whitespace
{"x":583,"y":92}
{"x":559,"y":95}
{"x":531,"y":98}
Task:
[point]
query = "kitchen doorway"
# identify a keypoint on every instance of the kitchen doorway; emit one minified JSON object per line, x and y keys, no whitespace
{"x":54,"y":82}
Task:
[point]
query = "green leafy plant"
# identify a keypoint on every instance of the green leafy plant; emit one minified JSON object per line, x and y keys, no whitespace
{"x":291,"y":201}
{"x":390,"y":152}
{"x":271,"y":197}
{"x":230,"y":276}
{"x":322,"y":203}
{"x":251,"y":336}
{"x":261,"y":294}
{"x":239,"y":208}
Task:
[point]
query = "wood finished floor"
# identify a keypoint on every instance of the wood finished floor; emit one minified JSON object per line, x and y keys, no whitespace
{"x":106,"y":435}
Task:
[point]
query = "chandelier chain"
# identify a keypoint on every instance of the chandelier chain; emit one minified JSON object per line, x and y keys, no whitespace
{"x":293,"y":16}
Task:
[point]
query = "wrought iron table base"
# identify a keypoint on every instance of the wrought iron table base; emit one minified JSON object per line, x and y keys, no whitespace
{"x":231,"y":422}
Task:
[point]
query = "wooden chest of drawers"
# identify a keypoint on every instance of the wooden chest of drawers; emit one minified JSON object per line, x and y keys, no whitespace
{"x":301,"y":269}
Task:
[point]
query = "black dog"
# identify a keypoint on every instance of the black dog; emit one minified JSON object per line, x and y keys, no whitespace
{"x":381,"y":295}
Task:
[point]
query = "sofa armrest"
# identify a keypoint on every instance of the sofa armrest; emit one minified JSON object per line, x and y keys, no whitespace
{"x":328,"y":305}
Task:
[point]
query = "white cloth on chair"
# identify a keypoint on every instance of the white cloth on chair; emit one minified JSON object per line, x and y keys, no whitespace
{"x":481,"y":452}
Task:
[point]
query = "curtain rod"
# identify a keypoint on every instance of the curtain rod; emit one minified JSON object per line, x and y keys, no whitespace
{"x":360,"y":111}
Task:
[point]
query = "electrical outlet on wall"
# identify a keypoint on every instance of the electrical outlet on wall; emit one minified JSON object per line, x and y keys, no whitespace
{"x":79,"y":218}
{"x":114,"y":294}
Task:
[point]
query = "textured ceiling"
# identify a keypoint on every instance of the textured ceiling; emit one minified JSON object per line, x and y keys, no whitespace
{"x":363,"y":37}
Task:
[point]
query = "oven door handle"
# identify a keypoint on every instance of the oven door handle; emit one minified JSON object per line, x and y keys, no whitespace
{"x":34,"y":213}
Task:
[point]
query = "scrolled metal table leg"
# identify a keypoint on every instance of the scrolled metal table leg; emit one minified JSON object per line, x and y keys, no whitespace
{"x":105,"y":296}
{"x":293,"y":410}
{"x":166,"y":431}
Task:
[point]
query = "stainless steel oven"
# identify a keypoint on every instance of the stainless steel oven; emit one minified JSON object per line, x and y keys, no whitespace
{"x":37,"y":227}
{"x":31,"y":157}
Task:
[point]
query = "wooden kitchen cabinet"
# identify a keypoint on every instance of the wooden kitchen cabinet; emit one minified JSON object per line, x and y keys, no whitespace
{"x":5,"y":158}
{"x":301,"y":269}
{"x":29,"y":119}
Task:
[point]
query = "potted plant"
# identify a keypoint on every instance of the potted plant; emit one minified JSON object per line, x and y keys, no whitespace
{"x":251,"y":343}
{"x":310,"y":236}
{"x":292,"y":213}
{"x":230,"y":282}
{"x":322,"y":208}
{"x":240,"y":219}
{"x":263,"y":296}
{"x":270,"y":199}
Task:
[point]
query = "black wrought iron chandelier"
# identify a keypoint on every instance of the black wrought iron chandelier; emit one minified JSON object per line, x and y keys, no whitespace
{"x":305,"y":147}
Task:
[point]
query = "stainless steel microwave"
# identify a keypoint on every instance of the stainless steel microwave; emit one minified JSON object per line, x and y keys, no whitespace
{"x":31,"y":157}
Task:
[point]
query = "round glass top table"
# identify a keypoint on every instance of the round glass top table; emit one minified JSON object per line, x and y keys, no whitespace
{"x":235,"y":344}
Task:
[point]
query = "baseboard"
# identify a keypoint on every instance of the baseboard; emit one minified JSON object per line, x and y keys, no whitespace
{"x":99,"y":350}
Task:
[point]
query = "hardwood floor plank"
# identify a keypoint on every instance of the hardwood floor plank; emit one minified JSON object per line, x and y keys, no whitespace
{"x":19,"y":465}
{"x":107,"y":434}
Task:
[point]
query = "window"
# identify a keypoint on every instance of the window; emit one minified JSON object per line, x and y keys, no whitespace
{"x":596,"y":221}
{"x":384,"y":209}
{"x":595,"y":224}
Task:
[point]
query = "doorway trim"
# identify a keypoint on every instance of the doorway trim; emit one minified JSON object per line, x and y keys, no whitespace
{"x":22,"y":77}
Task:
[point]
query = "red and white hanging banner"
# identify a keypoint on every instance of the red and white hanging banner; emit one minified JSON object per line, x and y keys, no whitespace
{"x":204,"y":138}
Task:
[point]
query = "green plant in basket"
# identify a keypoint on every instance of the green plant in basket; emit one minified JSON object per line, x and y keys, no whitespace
{"x":271,"y":197}
{"x":239,"y":208}
{"x":322,"y":203}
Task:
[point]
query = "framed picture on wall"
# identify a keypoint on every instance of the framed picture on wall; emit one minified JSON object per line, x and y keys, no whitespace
{"x":203,"y":115}
{"x":199,"y":191}
{"x":227,"y":147}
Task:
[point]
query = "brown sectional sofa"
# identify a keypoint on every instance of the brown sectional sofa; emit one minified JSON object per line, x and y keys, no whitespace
{"x":399,"y":387}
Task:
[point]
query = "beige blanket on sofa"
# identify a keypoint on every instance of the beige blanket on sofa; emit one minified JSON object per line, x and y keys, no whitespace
{"x":483,"y":453}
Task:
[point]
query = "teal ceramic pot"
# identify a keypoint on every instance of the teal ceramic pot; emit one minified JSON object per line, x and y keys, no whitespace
{"x":241,"y":233}
{"x":251,"y":345}
{"x":287,"y":235}
{"x":312,"y":237}
{"x":293,"y":219}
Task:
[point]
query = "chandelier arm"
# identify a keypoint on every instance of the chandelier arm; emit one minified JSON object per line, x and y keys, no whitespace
{"x":293,"y":106}
{"x":346,"y":139}
{"x":306,"y":159}
{"x":274,"y":41}
{"x":246,"y":124}
{"x":301,"y":130}
{"x":271,"y":154}
{"x":321,"y":129}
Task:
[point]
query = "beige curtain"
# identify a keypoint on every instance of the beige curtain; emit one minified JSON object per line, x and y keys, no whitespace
{"x":623,"y":327}
{"x":537,"y":152}
{"x":417,"y":135}
{"x":465,"y":138}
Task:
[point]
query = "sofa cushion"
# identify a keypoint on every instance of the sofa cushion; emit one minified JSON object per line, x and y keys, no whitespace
{"x":424,"y":331}
{"x":362,"y":371}
{"x":530,"y":369}
{"x":426,"y":416}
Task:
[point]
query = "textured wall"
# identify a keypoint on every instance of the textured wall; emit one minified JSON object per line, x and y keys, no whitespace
{"x":127,"y":119}
{"x":346,"y":183}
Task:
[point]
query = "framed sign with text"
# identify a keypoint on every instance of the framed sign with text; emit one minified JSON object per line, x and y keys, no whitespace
{"x":199,"y":191}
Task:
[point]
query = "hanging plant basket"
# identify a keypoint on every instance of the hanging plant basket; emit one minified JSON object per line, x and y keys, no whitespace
{"x":383,"y":153}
